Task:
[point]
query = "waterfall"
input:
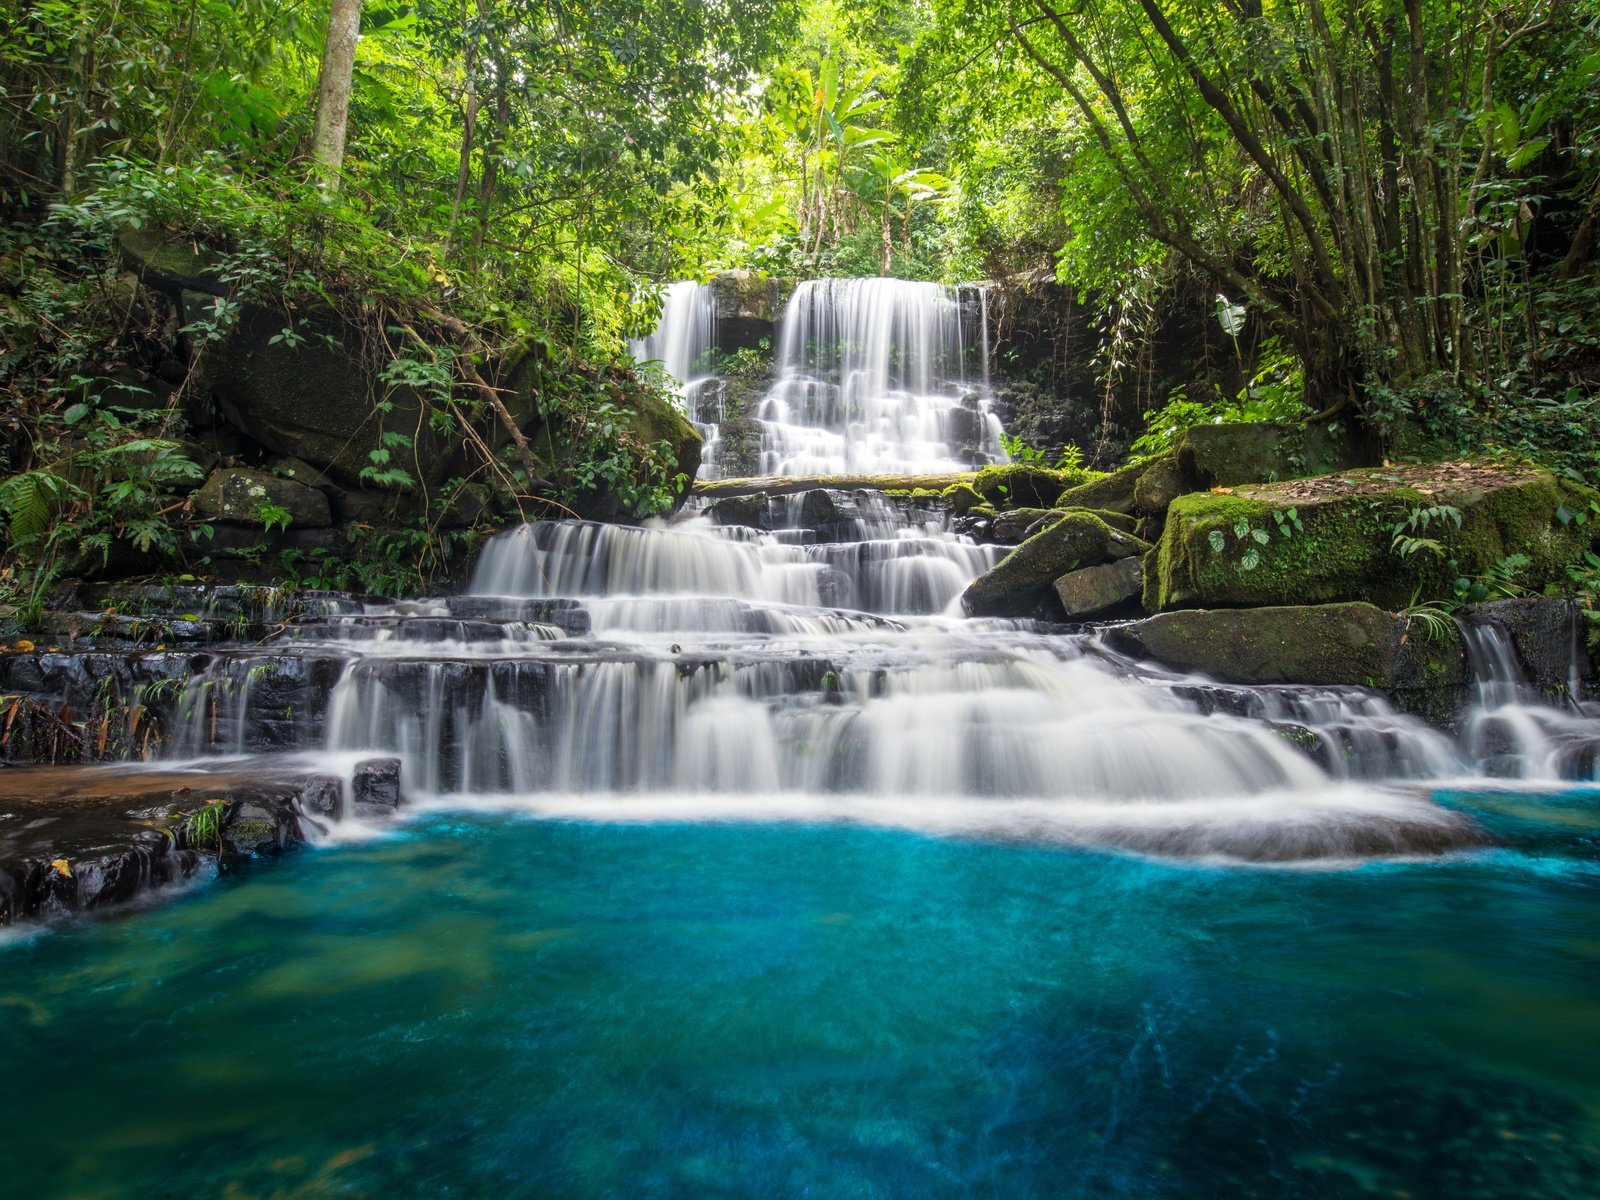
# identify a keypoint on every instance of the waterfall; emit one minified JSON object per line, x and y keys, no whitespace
{"x":1510,"y":731}
{"x":805,"y":671}
{"x":684,"y":338}
{"x":873,"y":379}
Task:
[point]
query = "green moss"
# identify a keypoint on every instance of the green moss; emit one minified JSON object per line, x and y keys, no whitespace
{"x":1113,"y":491}
{"x":1344,"y":549}
{"x":248,"y":834}
{"x":1025,"y":486}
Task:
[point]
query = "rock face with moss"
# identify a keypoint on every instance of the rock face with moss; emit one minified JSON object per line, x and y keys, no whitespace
{"x":1092,"y":592}
{"x":1354,"y":644}
{"x":1022,"y":583}
{"x":241,"y":497}
{"x":1333,"y":538}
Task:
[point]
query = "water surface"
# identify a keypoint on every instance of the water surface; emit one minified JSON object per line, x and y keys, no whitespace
{"x":490,"y":1005}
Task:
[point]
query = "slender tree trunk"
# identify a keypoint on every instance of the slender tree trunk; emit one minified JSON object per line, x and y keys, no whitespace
{"x":469,"y":126}
{"x":333,"y":87}
{"x":886,"y":237}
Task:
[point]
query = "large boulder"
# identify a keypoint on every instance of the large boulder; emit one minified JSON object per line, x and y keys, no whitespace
{"x":236,"y":496}
{"x":1023,"y":582}
{"x":1091,"y":592}
{"x":1332,"y":538}
{"x":1227,"y":455}
{"x":1114,"y":492}
{"x":748,"y":306}
{"x":1355,"y":644}
{"x":317,"y":397}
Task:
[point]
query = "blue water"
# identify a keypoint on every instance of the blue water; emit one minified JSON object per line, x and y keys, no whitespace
{"x":490,"y":1006}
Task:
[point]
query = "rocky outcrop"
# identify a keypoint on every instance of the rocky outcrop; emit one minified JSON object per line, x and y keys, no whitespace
{"x":1023,"y":583}
{"x":1352,"y":644}
{"x":78,"y":841}
{"x":749,"y":304}
{"x":240,"y":496}
{"x":1333,"y":538}
{"x":303,"y":385}
{"x":1090,"y":593}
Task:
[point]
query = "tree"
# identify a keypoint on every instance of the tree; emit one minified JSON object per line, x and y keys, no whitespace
{"x":333,"y":88}
{"x":1341,"y":168}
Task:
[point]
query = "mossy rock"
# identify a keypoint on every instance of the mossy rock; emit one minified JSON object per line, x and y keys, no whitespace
{"x":236,"y":495}
{"x":962,"y":498}
{"x":1023,"y":582}
{"x":1231,"y":548}
{"x":1113,"y":492}
{"x":1018,"y":524}
{"x":1099,"y":591}
{"x":1336,"y":644}
{"x":1161,"y":483}
{"x":1121,"y":521}
{"x":1210,"y":456}
{"x":1019,"y":485}
{"x":653,"y":419}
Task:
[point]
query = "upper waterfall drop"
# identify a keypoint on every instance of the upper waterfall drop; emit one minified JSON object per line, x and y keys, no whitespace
{"x":873,"y":378}
{"x":684,"y":337}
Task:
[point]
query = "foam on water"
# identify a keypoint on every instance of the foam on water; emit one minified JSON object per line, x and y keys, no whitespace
{"x":694,"y":672}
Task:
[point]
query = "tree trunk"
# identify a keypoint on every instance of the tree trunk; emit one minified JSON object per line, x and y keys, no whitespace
{"x":333,"y":88}
{"x":887,"y":238}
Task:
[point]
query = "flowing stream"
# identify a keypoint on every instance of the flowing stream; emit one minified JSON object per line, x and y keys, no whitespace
{"x":738,"y":865}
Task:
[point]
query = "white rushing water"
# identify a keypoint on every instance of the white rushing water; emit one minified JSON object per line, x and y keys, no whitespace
{"x":698,"y":672}
{"x":684,"y":337}
{"x":874,"y":378}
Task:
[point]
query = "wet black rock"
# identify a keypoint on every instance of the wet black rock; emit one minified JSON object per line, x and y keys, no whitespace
{"x":73,"y":841}
{"x":375,"y":787}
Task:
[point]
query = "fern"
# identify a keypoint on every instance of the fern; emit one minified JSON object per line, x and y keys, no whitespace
{"x":29,"y":499}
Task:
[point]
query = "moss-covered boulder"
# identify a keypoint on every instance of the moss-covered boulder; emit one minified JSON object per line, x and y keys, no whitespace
{"x":1023,"y":582}
{"x":1120,"y":521}
{"x":1113,"y":492}
{"x":1210,"y":456}
{"x":655,"y":421}
{"x":1021,"y":523}
{"x":962,"y":498}
{"x":1161,"y":483}
{"x":240,"y":497}
{"x":1354,"y":644}
{"x":1332,"y":538}
{"x":1022,"y":485}
{"x":1092,"y":592}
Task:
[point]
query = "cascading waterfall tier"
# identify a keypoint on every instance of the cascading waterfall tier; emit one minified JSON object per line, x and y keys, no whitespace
{"x":874,"y":378}
{"x":684,"y":338}
{"x":691,"y":671}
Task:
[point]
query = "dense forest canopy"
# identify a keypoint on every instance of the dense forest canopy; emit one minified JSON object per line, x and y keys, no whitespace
{"x":1394,"y":202}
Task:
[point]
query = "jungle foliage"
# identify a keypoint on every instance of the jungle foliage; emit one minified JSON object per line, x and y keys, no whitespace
{"x":514,"y":172}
